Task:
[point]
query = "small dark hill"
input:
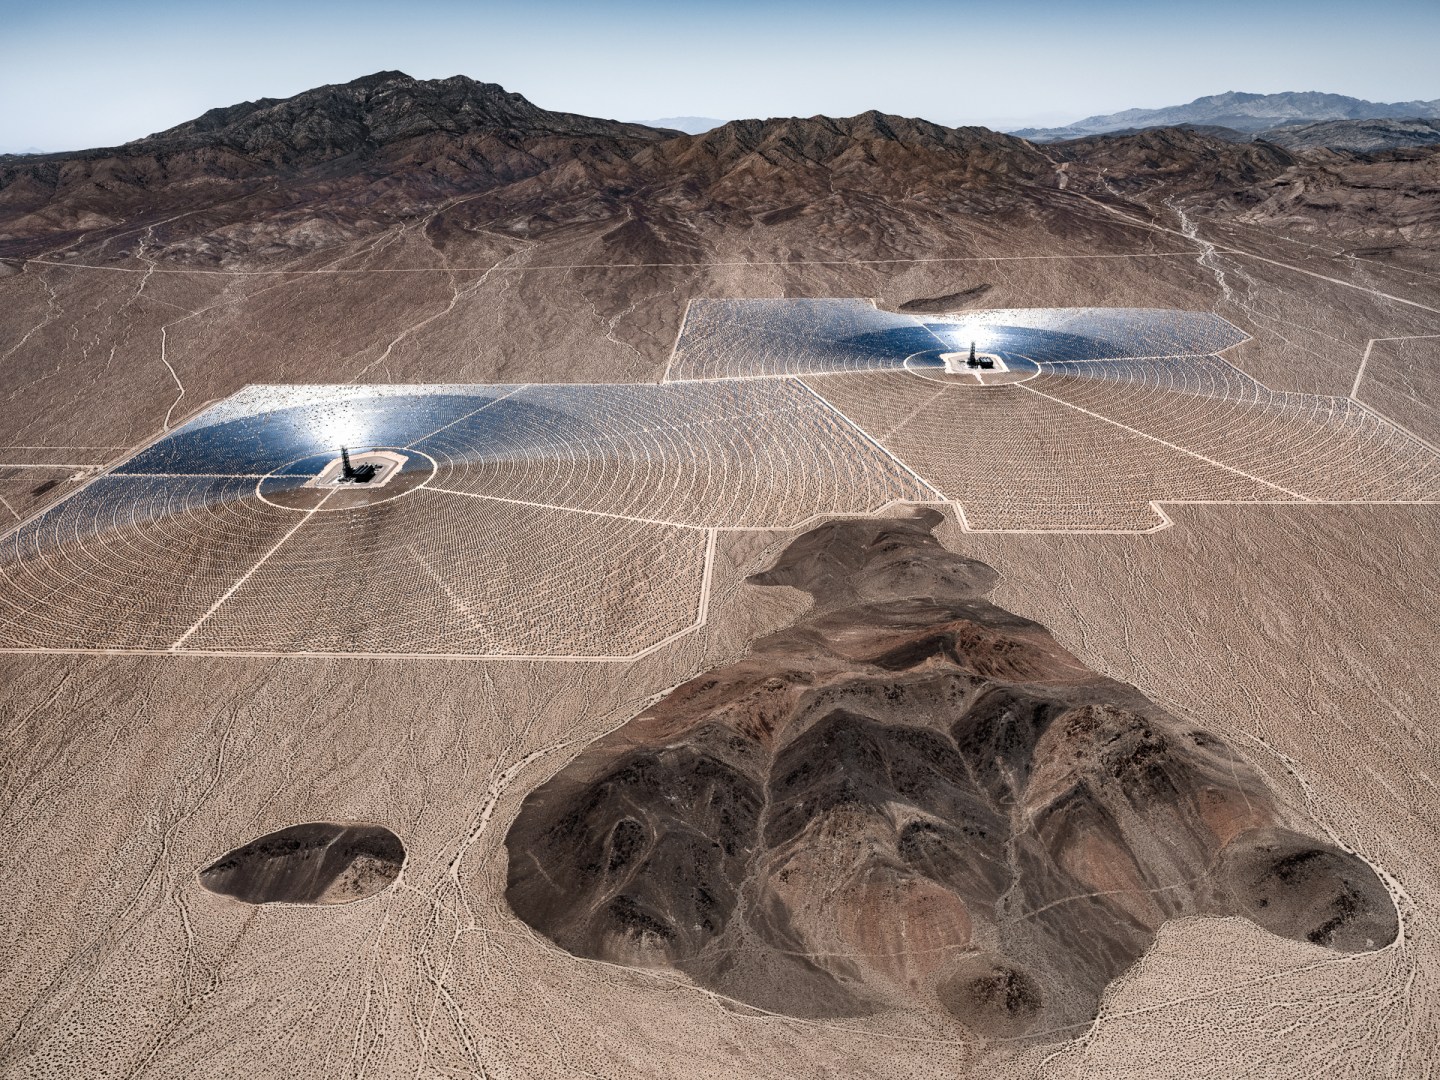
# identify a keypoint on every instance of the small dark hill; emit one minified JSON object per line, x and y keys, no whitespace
{"x":314,"y":863}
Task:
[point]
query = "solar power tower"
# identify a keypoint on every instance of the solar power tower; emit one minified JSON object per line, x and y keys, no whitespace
{"x":352,"y":474}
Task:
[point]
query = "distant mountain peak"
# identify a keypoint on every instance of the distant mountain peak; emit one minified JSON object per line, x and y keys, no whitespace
{"x":1242,"y":111}
{"x":368,"y":114}
{"x":690,"y":125}
{"x":388,"y":76}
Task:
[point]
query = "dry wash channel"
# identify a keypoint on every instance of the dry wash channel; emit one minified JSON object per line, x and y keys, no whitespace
{"x":913,"y":798}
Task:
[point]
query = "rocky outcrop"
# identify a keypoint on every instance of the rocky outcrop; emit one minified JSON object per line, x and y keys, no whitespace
{"x":1362,"y":136}
{"x":1175,"y":160}
{"x":914,"y":796}
{"x":315,"y":863}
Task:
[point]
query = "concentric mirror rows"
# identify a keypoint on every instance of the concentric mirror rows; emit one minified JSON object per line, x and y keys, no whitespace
{"x":567,"y":521}
{"x":132,"y":562}
{"x":732,"y":455}
{"x":1016,"y":460}
{"x":447,"y":574}
{"x":757,"y":338}
{"x":1314,"y":446}
{"x":267,"y":428}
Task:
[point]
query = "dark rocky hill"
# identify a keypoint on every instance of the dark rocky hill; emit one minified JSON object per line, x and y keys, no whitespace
{"x":914,"y":794}
{"x":1361,"y":136}
{"x":388,"y":148}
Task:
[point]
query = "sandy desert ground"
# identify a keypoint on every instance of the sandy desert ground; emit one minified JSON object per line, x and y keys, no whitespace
{"x":161,"y":765}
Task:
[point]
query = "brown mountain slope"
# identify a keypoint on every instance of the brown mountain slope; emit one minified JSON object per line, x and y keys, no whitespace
{"x":1177,"y":159}
{"x":272,"y":180}
{"x":384,"y":144}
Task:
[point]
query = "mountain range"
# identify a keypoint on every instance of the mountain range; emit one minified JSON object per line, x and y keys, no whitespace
{"x":346,"y":159}
{"x":1241,"y":112}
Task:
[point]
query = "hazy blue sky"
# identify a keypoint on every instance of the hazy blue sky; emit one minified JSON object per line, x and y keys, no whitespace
{"x":76,"y":73}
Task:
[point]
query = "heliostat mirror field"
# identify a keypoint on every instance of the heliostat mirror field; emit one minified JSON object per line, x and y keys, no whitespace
{"x":579,"y":520}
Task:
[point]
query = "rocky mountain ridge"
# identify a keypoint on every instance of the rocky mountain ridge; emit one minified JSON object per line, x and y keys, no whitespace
{"x":277,"y":178}
{"x":1357,"y":136}
{"x":1361,"y":136}
{"x":366,"y":116}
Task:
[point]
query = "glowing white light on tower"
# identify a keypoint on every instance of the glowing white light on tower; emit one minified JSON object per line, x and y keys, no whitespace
{"x":979,"y":333}
{"x":339,"y":424}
